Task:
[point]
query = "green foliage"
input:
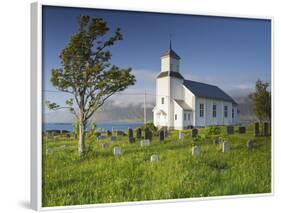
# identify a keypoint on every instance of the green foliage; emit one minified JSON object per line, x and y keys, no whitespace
{"x":151,"y":127}
{"x":261,"y":101}
{"x":92,"y":132}
{"x":214,"y":130}
{"x":100,"y":177}
{"x":86,"y":72}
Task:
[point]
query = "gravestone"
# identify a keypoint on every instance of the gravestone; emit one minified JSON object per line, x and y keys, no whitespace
{"x":117,"y":150}
{"x":109,"y":133}
{"x":145,"y":142}
{"x":229,"y":130}
{"x":225,"y":146}
{"x":181,"y":135}
{"x":250,"y":144}
{"x":131,"y":140}
{"x":195,"y":151}
{"x":138,"y":133}
{"x":166,"y":132}
{"x":146,"y":133}
{"x":113,"y":138}
{"x":265,"y":129}
{"x":194,"y":133}
{"x":242,"y":129}
{"x":161,"y":135}
{"x":105,"y":145}
{"x":154,"y":158}
{"x":130,"y":133}
{"x":257,"y":129}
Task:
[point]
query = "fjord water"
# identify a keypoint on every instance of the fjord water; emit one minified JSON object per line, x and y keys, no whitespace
{"x":102,"y":126}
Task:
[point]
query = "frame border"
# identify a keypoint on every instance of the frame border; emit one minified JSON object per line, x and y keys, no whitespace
{"x":36,"y":103}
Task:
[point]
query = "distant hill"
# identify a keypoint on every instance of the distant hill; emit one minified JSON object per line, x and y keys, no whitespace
{"x":134,"y":113}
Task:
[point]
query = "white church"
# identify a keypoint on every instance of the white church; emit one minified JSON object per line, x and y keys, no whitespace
{"x":181,"y":104}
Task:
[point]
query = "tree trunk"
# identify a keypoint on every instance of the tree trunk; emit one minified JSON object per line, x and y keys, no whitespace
{"x":81,"y":144}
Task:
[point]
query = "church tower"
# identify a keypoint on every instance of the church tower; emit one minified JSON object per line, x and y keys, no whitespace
{"x":170,"y":61}
{"x":167,"y":82}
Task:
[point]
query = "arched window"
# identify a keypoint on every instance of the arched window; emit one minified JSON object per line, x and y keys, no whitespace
{"x":162,"y":100}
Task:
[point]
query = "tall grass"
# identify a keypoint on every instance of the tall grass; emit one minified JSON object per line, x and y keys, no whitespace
{"x":100,"y":177}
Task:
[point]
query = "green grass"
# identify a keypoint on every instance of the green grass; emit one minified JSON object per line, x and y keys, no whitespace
{"x":100,"y":177}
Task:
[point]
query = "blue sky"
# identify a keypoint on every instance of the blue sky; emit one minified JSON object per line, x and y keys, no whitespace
{"x":231,"y":53}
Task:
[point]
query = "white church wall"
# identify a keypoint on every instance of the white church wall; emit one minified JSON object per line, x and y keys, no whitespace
{"x":162,"y":85}
{"x":177,"y":89}
{"x":175,"y":65}
{"x":208,"y":118}
{"x":177,"y":116}
{"x":165,"y":64}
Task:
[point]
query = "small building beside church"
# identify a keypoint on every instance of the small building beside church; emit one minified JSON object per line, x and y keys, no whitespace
{"x":181,"y":103}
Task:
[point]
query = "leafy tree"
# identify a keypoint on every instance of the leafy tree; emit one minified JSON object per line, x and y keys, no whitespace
{"x":86,"y":73}
{"x":261,"y":101}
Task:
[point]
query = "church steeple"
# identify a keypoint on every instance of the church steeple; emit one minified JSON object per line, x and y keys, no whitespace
{"x":170,"y":60}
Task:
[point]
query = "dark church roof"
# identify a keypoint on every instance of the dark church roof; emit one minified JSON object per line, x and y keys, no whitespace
{"x":207,"y":91}
{"x":171,"y":53}
{"x":171,"y":74}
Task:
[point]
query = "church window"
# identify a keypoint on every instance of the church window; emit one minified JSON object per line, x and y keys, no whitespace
{"x":188,"y":116}
{"x":201,"y":111}
{"x":232,"y":113}
{"x":162,"y":100}
{"x":225,"y":111}
{"x":185,"y":116}
{"x":214,"y":111}
{"x":175,"y":117}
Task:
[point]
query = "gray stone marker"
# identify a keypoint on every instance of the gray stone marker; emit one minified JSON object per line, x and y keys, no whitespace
{"x":117,"y":151}
{"x":195,"y":151}
{"x":225,"y":146}
{"x":257,"y":129}
{"x":105,"y":145}
{"x":242,"y":129}
{"x":194,"y":133}
{"x":113,"y":138}
{"x":154,"y":158}
{"x":138,"y":133}
{"x":109,"y":133}
{"x":130,"y":133}
{"x":146,"y":133}
{"x":250,"y":144}
{"x":181,"y":135}
{"x":166,"y":132}
{"x":265,"y":128}
{"x":229,"y":130}
{"x":161,"y":135}
{"x":145,"y":142}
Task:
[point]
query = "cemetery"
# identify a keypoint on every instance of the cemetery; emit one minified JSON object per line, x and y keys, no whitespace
{"x":144,"y":164}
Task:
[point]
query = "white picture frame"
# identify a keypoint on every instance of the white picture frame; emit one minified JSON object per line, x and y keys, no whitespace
{"x":36,"y":104}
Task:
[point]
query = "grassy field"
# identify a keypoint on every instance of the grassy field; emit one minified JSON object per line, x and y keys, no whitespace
{"x":101,"y":177}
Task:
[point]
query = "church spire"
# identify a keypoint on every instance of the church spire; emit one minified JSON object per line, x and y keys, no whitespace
{"x":170,"y":41}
